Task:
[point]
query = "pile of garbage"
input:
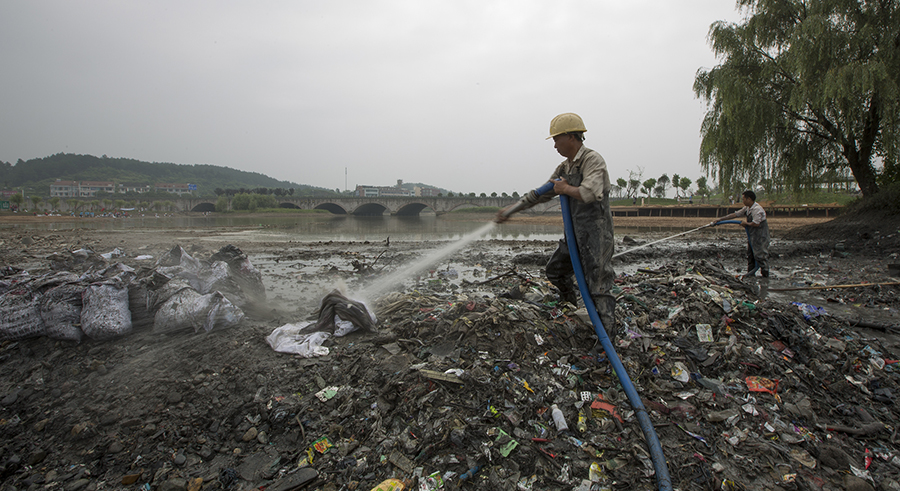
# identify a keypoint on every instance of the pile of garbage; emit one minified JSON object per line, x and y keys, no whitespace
{"x":512,"y":392}
{"x":453,"y":384}
{"x":86,"y":295}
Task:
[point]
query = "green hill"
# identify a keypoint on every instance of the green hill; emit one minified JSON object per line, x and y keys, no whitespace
{"x":36,"y":175}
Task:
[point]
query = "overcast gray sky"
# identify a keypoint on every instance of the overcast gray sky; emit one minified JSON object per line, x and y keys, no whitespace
{"x":457,"y":94}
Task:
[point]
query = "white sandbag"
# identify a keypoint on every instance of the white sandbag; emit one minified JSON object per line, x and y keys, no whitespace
{"x":177,"y":263}
{"x":60,"y":309}
{"x":105,"y":313}
{"x":178,"y":257}
{"x":156,"y":297}
{"x":188,"y":309}
{"x":19,"y":315}
{"x":231,"y":273}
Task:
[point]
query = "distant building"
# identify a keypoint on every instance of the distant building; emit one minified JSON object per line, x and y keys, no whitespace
{"x":426,"y":192}
{"x":381,"y":191}
{"x":394,"y":192}
{"x":89,"y":189}
{"x":64,"y":189}
{"x":367,"y":191}
{"x":178,"y":189}
{"x":133,"y":188}
{"x":80,"y":189}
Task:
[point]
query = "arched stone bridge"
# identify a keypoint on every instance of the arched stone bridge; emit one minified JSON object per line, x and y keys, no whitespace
{"x":376,"y":206}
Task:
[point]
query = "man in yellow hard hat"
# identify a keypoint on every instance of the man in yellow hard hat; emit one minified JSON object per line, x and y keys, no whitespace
{"x":584,"y":178}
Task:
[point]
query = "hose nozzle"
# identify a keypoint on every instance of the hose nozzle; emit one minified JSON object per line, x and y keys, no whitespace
{"x":514,"y":208}
{"x":529,"y":198}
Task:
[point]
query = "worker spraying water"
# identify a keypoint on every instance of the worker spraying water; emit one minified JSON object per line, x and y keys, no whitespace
{"x":584,"y":177}
{"x":586,"y":252}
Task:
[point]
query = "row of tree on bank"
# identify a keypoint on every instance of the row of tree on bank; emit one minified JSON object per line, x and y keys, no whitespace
{"x":629,"y":188}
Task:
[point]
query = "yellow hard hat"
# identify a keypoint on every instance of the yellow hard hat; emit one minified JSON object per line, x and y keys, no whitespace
{"x":566,"y":123}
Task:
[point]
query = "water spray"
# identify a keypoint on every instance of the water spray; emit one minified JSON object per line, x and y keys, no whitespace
{"x":374,"y":290}
{"x":382,"y":285}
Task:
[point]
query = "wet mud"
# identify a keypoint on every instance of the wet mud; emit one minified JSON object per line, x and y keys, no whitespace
{"x":749,"y":384}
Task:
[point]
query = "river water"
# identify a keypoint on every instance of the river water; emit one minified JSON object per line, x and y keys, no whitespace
{"x":326,"y":227}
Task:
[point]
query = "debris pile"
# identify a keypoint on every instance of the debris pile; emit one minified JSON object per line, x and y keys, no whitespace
{"x":466,"y":385}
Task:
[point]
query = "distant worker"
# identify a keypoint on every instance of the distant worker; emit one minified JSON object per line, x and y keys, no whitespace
{"x":583,"y":176}
{"x":757,"y":234}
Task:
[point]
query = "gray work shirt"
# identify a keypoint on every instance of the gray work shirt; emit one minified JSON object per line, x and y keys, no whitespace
{"x":595,"y":176}
{"x":755,"y":212}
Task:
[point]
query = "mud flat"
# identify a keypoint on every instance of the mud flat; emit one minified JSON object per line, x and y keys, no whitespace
{"x":222,"y":410}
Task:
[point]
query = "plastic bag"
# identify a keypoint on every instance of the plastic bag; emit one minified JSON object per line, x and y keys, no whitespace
{"x":338,"y":316}
{"x":335,"y":306}
{"x":113,"y":253}
{"x":291,"y":339}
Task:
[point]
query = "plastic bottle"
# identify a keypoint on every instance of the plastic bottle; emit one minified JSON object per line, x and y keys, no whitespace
{"x":581,"y":425}
{"x":558,"y":418}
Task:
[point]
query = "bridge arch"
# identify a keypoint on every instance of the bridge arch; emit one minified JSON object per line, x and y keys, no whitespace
{"x":333,"y":208}
{"x":288,"y":205}
{"x":412,"y":209}
{"x":370,"y":210}
{"x":204,"y":207}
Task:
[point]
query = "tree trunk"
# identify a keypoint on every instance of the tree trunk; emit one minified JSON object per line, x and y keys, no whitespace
{"x":860,"y":159}
{"x":862,"y":172}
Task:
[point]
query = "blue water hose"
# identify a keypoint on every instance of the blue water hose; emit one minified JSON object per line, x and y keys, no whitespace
{"x":663,"y":481}
{"x":545,"y":188}
{"x":529,"y":196}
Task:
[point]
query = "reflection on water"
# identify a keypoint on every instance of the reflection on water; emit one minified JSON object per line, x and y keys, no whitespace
{"x":327,"y":227}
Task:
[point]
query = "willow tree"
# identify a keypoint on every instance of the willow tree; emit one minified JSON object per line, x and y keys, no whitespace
{"x":803,"y":87}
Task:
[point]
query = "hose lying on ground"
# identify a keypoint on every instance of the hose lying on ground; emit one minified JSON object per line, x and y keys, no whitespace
{"x":663,"y":480}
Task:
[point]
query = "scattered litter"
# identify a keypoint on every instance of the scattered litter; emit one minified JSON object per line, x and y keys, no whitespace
{"x":452,"y":385}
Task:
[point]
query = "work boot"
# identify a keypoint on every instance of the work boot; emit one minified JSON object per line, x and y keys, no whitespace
{"x":568,"y":297}
{"x":568,"y":292}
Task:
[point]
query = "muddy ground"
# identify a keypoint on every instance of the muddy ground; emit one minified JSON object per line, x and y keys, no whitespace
{"x":221,"y":410}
